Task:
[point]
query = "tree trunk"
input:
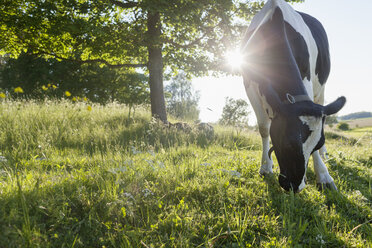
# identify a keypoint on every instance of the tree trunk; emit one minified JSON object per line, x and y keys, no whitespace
{"x":155,"y":67}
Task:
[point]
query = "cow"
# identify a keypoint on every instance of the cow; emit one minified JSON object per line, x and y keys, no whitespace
{"x":286,"y":66}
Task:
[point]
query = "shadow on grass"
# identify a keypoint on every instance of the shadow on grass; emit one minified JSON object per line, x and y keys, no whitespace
{"x":71,"y":213}
{"x":311,"y":219}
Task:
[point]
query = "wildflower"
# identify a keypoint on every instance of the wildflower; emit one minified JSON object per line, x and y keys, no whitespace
{"x":85,"y":99}
{"x":2,"y":95}
{"x":54,"y":87}
{"x":67,"y":93}
{"x":74,"y":99}
{"x":89,"y":108}
{"x":49,"y":85}
{"x":18,"y":90}
{"x":44,"y":88}
{"x":319,"y":238}
{"x":147,"y":192}
{"x":129,"y":195}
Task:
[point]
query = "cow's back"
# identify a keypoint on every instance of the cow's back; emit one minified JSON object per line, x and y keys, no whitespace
{"x":308,"y":42}
{"x":323,"y":63}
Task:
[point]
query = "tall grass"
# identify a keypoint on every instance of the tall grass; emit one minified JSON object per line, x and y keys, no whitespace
{"x":70,"y":177}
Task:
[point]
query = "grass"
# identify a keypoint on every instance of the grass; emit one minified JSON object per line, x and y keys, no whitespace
{"x":70,"y":177}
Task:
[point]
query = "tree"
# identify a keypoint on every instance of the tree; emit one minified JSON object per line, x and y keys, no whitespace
{"x":183,"y":100}
{"x":330,"y":120}
{"x":235,"y":112}
{"x":157,"y":35}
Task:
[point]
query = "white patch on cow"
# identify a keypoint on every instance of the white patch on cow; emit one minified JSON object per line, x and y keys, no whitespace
{"x":309,"y":88}
{"x":318,"y":90}
{"x":315,"y":125}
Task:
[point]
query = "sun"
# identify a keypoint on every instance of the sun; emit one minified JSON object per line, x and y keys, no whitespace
{"x":234,"y":59}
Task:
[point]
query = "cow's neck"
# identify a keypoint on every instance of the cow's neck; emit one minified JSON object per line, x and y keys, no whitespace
{"x":285,"y":75}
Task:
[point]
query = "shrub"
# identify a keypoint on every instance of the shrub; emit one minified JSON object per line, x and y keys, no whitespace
{"x":343,"y":126}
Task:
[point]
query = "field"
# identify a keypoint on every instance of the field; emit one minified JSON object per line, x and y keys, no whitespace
{"x":360,"y":123}
{"x":73,"y":176}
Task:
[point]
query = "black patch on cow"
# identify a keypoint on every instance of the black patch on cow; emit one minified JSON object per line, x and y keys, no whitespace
{"x":305,"y":132}
{"x":322,"y":138}
{"x":323,"y":62}
{"x":299,"y":50}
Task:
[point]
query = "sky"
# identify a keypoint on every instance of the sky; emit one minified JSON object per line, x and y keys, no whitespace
{"x":349,"y":28}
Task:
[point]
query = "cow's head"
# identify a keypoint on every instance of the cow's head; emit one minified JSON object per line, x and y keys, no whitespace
{"x":296,"y":132}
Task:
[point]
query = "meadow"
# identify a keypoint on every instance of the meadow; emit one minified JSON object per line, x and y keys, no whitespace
{"x":360,"y":123}
{"x":73,"y":175}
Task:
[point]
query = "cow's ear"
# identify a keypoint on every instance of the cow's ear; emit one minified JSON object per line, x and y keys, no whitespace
{"x":335,"y":106}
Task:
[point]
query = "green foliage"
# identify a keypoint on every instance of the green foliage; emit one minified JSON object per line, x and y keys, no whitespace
{"x":99,"y":84}
{"x":332,"y":119}
{"x":68,"y":181}
{"x":343,"y":126}
{"x":182,"y":100}
{"x":235,"y":113}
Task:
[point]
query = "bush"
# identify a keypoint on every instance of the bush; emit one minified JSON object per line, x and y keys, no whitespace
{"x":343,"y":126}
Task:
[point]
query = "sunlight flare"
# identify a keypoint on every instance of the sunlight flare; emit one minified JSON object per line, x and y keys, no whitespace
{"x":234,"y":58}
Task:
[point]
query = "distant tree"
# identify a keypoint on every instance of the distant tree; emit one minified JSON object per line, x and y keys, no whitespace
{"x":332,"y":119}
{"x":235,"y":112}
{"x":357,"y":115}
{"x":182,"y":100}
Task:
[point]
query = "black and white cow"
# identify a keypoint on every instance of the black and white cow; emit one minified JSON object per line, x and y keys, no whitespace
{"x":286,"y":67}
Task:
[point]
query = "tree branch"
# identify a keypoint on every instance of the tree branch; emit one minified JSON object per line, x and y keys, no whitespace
{"x":80,"y":61}
{"x":124,"y":5}
{"x":194,"y":42}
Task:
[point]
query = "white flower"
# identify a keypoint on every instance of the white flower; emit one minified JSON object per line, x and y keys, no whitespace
{"x":146,"y":192}
{"x":319,"y":238}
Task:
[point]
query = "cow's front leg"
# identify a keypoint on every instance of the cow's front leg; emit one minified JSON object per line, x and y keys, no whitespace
{"x":266,"y":161}
{"x":263,"y":121}
{"x":323,"y":152}
{"x":323,"y":179}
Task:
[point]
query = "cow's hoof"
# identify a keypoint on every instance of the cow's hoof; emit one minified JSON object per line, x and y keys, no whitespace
{"x":267,"y":174}
{"x":264,"y":172}
{"x":331,"y":186}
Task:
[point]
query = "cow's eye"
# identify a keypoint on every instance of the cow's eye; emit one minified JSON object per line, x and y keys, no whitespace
{"x":305,"y":132}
